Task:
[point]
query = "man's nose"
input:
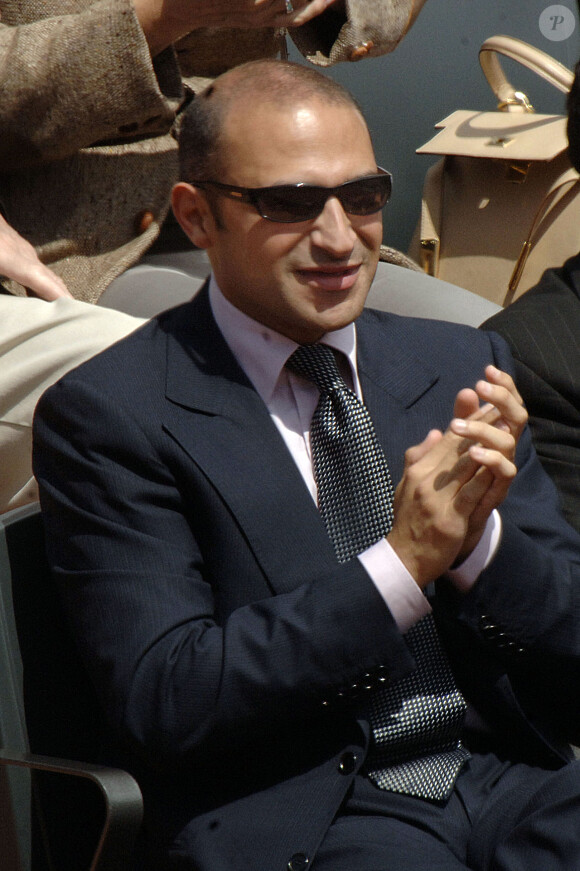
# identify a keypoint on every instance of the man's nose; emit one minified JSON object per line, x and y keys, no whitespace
{"x":332,"y":230}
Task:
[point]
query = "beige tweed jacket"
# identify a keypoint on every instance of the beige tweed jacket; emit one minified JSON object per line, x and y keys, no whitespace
{"x":87,"y":154}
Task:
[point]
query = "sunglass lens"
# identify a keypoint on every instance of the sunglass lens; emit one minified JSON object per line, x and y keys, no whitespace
{"x":366,"y":196}
{"x":289,"y":204}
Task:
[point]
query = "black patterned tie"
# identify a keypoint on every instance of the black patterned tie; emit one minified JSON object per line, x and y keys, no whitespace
{"x":416,"y":721}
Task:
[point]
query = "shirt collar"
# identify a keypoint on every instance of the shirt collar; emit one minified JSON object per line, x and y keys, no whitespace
{"x":261,"y":351}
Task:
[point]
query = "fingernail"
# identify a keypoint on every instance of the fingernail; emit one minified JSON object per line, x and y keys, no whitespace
{"x":459,"y":425}
{"x":477,"y":453}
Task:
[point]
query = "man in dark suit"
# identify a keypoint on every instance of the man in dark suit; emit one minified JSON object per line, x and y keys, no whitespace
{"x":286,"y":705}
{"x":542,"y":329}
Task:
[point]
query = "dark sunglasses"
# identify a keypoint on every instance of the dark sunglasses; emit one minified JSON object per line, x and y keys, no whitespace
{"x":291,"y":203}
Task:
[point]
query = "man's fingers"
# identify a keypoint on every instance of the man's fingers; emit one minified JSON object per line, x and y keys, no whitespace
{"x":488,"y":435}
{"x":487,"y":488}
{"x":416,"y":453}
{"x":498,"y":423}
{"x":500,"y":391}
{"x":495,"y":461}
{"x":503,"y":379}
{"x":473,"y":491}
{"x":466,"y":403}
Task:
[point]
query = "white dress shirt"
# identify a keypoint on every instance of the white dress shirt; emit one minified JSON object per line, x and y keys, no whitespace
{"x":291,"y":400}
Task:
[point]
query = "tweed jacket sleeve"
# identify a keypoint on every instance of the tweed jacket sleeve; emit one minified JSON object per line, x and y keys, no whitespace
{"x":58,"y":97}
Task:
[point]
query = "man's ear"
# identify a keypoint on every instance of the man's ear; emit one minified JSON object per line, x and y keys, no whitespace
{"x":193,"y":213}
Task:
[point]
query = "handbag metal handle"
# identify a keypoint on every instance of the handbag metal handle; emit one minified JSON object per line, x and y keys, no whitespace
{"x":529,"y":56}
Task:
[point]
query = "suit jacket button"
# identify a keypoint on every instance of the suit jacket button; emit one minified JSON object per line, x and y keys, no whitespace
{"x":347,"y":763}
{"x":143,"y":221}
{"x":298,"y":862}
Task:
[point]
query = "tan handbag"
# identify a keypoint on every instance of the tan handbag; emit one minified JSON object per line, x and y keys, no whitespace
{"x":503,"y":204}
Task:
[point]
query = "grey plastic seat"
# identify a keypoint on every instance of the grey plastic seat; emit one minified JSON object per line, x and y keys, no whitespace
{"x":158,"y":282}
{"x":406,"y":292}
{"x":162,"y":281}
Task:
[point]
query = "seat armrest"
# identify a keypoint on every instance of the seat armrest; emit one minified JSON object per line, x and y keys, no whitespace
{"x":122,"y":797}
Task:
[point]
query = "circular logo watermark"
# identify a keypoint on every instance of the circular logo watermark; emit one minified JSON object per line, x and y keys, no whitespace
{"x":557,"y":23}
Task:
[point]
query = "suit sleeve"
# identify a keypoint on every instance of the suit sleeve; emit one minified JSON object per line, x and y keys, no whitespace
{"x":71,"y":80}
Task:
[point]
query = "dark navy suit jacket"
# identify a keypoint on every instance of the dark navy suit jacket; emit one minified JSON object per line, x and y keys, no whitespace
{"x":227,"y":645}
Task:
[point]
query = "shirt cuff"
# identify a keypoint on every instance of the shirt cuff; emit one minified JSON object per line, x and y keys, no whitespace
{"x":401,"y":594}
{"x":466,"y":574}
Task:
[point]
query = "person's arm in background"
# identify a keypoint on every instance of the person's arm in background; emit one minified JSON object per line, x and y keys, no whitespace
{"x":72,"y":80}
{"x":108,"y":71}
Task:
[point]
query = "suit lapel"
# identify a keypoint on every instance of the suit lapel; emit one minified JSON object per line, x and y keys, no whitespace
{"x":393,"y":381}
{"x":213,"y":412}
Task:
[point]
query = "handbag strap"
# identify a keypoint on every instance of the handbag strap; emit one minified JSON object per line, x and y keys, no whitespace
{"x":529,"y":56}
{"x":568,"y":179}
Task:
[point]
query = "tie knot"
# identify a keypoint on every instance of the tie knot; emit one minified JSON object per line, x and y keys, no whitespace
{"x":317,"y":363}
